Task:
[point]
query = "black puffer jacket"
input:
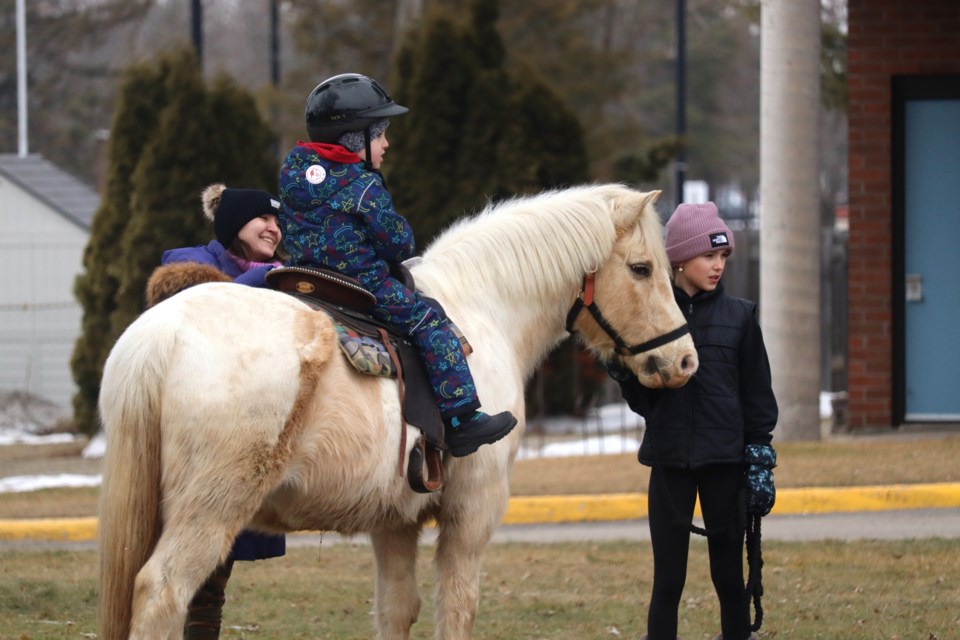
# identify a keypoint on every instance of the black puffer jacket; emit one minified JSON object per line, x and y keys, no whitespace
{"x":729,"y":403}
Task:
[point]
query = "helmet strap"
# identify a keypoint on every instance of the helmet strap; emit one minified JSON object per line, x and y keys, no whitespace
{"x":367,"y":163}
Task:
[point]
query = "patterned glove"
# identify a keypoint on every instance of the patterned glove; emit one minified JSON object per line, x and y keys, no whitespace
{"x":617,"y":370}
{"x":761,"y":494}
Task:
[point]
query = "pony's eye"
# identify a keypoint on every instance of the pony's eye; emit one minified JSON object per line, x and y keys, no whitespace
{"x":641,"y":269}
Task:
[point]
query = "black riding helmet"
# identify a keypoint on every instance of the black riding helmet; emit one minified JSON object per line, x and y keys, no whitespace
{"x":344,"y":103}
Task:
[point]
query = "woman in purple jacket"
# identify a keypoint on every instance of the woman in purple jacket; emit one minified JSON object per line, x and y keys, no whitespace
{"x":247,"y":238}
{"x":247,"y":235}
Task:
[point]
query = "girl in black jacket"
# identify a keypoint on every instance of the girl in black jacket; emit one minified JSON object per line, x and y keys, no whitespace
{"x":711,"y":437}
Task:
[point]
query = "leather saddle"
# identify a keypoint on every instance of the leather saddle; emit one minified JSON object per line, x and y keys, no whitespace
{"x":373,"y":348}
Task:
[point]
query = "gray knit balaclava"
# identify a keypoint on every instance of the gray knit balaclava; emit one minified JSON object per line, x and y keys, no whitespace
{"x":353,"y":140}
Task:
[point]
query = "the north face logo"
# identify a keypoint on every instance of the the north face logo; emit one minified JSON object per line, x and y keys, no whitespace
{"x":719,"y":240}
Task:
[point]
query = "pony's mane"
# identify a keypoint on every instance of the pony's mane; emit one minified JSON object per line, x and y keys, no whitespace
{"x":540,"y":244}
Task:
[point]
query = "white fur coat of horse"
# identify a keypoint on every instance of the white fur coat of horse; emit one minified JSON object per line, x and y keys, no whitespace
{"x":228,"y":407}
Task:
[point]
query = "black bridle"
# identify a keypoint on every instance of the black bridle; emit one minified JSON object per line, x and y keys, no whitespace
{"x":585,"y":301}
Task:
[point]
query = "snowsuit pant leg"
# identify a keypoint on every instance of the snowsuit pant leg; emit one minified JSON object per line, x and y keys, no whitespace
{"x":442,"y":353}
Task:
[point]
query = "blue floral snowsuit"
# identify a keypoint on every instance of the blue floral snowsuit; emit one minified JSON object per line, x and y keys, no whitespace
{"x":338,"y":215}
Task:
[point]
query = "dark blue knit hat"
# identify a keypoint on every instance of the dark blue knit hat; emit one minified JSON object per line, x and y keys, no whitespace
{"x":231,"y":209}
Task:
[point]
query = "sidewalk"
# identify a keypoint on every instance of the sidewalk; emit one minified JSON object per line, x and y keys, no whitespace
{"x":624,"y":507}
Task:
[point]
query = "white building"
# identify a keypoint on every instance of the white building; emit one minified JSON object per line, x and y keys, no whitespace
{"x":45,"y":215}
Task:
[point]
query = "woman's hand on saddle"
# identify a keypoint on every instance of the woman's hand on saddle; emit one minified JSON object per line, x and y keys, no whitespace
{"x":254,"y":277}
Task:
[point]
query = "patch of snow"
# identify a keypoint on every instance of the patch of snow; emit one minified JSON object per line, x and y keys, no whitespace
{"x":18,"y":484}
{"x":96,"y":447}
{"x":606,"y":445}
{"x":22,"y":412}
{"x":9,"y":436}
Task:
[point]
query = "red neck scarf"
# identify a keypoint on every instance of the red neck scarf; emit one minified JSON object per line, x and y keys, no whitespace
{"x":333,"y":152}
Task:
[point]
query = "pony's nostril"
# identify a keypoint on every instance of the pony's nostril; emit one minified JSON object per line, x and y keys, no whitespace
{"x":650,"y":366}
{"x":686,"y":364}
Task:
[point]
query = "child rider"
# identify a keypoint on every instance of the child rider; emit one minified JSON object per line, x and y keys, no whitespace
{"x":337,"y":214}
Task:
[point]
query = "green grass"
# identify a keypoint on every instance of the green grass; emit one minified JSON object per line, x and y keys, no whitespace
{"x":818,"y":590}
{"x":829,"y":590}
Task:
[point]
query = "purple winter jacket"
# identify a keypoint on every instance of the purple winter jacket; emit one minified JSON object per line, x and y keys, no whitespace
{"x":215,"y":255}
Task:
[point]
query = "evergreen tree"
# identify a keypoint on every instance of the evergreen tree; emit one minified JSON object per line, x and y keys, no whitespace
{"x":205,"y":135}
{"x":484,"y":146}
{"x":166,"y":184}
{"x":96,"y":288}
{"x":554,"y":153}
{"x":474,"y":132}
{"x":172,"y":137}
{"x":436,"y":72}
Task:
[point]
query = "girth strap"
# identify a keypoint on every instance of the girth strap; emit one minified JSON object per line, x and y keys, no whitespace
{"x":401,"y":388}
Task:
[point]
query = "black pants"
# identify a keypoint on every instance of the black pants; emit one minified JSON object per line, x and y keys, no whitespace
{"x":671,"y":499}
{"x":205,"y":613}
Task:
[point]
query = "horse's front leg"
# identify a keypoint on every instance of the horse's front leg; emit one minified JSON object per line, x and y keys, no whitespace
{"x":466,"y":524}
{"x":397,"y":602}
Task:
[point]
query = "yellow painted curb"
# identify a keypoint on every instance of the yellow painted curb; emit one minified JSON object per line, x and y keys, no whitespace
{"x":631,"y":506}
{"x":597,"y":508}
{"x":576,"y":508}
{"x":50,"y":529}
{"x":873,"y":498}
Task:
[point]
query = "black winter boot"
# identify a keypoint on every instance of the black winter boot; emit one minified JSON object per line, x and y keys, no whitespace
{"x":466,"y":435}
{"x":205,"y":612}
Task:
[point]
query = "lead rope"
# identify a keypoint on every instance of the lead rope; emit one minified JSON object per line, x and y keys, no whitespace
{"x":755,"y":568}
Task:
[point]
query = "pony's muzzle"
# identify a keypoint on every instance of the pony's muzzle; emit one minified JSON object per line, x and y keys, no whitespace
{"x":665,"y":369}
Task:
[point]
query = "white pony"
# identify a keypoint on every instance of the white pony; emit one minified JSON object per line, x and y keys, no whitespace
{"x":228,"y":407}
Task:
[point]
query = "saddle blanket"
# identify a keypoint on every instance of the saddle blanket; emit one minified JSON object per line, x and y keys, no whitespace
{"x":367,"y":355}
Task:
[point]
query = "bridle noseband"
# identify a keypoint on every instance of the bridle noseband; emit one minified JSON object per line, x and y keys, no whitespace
{"x":585,"y":301}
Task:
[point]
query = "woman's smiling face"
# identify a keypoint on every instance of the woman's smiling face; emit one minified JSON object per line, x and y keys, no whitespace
{"x":259,"y":238}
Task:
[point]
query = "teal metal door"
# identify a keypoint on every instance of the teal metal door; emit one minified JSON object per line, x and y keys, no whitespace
{"x":931,"y":261}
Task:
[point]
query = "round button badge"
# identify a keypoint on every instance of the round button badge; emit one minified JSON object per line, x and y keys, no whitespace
{"x":315,"y":174}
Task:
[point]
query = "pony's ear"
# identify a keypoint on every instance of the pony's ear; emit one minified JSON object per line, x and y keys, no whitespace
{"x":633,"y":207}
{"x":648,"y":198}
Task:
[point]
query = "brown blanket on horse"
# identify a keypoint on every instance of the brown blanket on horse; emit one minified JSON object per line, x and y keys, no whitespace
{"x":175,"y":277}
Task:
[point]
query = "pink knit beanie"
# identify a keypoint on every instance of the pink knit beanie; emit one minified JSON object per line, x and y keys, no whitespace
{"x":694,"y":229}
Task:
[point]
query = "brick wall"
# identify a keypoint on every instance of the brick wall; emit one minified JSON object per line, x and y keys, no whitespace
{"x":886,"y":38}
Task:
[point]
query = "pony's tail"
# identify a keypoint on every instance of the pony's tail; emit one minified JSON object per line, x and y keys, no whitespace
{"x":129,"y":512}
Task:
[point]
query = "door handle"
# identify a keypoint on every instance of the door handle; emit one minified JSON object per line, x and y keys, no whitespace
{"x":914,"y":287}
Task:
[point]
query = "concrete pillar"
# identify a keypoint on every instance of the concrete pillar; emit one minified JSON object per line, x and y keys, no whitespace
{"x":789,"y":209}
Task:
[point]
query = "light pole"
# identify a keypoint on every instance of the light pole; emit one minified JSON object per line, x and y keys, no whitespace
{"x":196,"y":28}
{"x":681,"y":162}
{"x":274,"y":43}
{"x":22,"y":150}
